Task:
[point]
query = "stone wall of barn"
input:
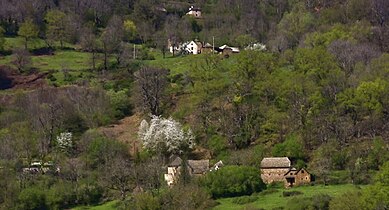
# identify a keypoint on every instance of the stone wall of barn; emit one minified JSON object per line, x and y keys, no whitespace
{"x":302,"y":177}
{"x":273,"y":174}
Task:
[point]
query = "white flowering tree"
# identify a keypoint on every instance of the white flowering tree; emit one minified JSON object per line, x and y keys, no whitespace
{"x":165,"y":136}
{"x":65,"y":141}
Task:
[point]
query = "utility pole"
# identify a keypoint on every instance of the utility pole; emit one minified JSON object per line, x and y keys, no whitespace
{"x":213,"y":44}
{"x":134,"y":52}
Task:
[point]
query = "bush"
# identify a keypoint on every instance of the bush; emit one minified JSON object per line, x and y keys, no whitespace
{"x":349,"y":200}
{"x":268,"y":191}
{"x":291,"y":193}
{"x":321,"y":201}
{"x":60,"y":196}
{"x":231,"y":181}
{"x":298,"y":203}
{"x":244,"y":199}
{"x":217,"y":144}
{"x":188,"y":196}
{"x":32,"y":198}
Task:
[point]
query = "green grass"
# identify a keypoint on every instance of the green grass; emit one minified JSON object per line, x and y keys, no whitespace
{"x":63,"y":60}
{"x":183,"y":63}
{"x":276,"y":199}
{"x":111,"y":205}
{"x":67,"y":59}
{"x":18,"y":42}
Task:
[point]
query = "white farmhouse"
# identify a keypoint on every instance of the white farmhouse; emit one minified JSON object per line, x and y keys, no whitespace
{"x":192,"y":47}
{"x":194,"y":11}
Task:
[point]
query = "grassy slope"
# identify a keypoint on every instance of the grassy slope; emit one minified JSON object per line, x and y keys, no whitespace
{"x":181,"y":64}
{"x":268,"y":201}
{"x":276,"y":199}
{"x":111,"y":205}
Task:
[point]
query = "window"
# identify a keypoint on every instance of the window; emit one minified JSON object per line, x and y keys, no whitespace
{"x":291,"y":173}
{"x":302,"y":171}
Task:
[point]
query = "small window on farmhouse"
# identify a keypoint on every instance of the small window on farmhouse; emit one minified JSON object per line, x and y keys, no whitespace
{"x":306,"y":178}
{"x":302,"y":171}
{"x":191,"y":48}
{"x":291,"y":173}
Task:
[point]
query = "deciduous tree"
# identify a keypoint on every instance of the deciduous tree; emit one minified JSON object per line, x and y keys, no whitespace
{"x":28,"y":30}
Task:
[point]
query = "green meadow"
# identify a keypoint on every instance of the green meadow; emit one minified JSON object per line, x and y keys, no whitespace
{"x":277,"y":200}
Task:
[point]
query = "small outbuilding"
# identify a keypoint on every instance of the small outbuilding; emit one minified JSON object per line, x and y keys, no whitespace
{"x":195,"y":168}
{"x":296,"y":177}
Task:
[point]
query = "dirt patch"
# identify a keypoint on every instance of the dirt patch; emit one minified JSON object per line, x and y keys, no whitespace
{"x":125,"y":131}
{"x":11,"y":79}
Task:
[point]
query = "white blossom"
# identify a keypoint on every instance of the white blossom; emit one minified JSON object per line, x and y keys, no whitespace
{"x":256,"y":47}
{"x":165,"y":135}
{"x":64,"y":141}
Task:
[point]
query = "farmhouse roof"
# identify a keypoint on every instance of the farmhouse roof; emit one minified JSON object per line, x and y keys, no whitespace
{"x":275,"y":162}
{"x":291,"y":170}
{"x":199,"y":166}
{"x":207,"y":45}
{"x":193,"y":8}
{"x":176,"y":162}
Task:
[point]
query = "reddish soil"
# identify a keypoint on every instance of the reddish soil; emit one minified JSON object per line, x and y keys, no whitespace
{"x":125,"y":131}
{"x":11,"y":79}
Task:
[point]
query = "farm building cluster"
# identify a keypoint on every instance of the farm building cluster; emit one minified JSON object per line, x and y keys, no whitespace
{"x":273,"y":169}
{"x":196,"y":47}
{"x":279,"y":169}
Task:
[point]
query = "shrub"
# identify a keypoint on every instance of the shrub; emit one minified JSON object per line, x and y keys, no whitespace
{"x":298,"y":203}
{"x":321,"y":201}
{"x":244,"y":199}
{"x":268,"y":191}
{"x":231,"y":181}
{"x":217,"y":144}
{"x":291,"y":193}
{"x":188,"y":196}
{"x":32,"y":198}
{"x":60,"y":196}
{"x":349,"y":200}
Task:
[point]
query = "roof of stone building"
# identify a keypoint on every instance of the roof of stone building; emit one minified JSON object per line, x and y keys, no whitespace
{"x":275,"y":162}
{"x":176,"y":162}
{"x":199,"y":166}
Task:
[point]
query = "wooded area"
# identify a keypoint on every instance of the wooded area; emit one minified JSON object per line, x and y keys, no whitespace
{"x":318,"y":94}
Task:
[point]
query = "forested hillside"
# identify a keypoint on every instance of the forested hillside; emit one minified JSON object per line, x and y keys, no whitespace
{"x":93,"y":106}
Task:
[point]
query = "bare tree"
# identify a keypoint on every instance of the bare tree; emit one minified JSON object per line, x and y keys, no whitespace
{"x":111,"y":38}
{"x":348,"y":54}
{"x":118,"y":175}
{"x":89,"y":43}
{"x":380,"y":11}
{"x":151,"y":83}
{"x":22,"y":60}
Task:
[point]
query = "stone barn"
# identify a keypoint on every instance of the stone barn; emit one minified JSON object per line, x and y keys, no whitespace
{"x":273,"y":169}
{"x":195,"y":168}
{"x":296,"y":177}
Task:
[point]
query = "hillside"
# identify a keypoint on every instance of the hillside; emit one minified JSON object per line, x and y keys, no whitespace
{"x":99,"y":97}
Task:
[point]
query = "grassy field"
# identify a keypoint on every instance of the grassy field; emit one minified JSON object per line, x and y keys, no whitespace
{"x":184,"y":63}
{"x":69,"y":66}
{"x":106,"y":206}
{"x":18,"y":42}
{"x":268,"y":201}
{"x":276,"y":199}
